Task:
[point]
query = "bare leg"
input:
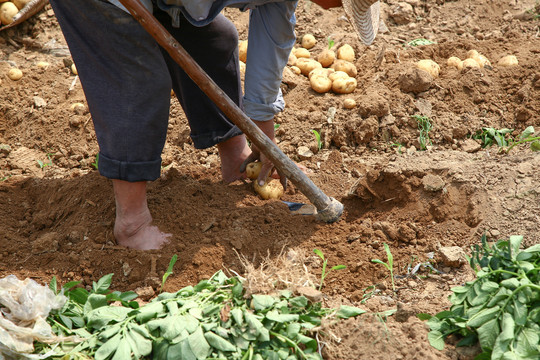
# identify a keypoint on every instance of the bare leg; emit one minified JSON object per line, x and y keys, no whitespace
{"x":232,"y":153}
{"x":133,"y":225}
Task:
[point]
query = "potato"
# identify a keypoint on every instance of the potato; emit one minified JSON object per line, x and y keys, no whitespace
{"x":321,"y":71}
{"x":74,"y":69}
{"x":346,"y":53}
{"x":346,"y":66}
{"x":470,"y":63}
{"x":292,"y":59}
{"x":338,"y":75}
{"x":308,"y":41}
{"x":78,"y":108}
{"x":471,"y":54}
{"x":344,"y":86}
{"x":242,"y":69}
{"x":253,"y":170}
{"x":482,"y":61}
{"x":349,"y":103}
{"x":15,"y":74}
{"x":7,"y":11}
{"x":454,"y":61}
{"x":508,"y":60}
{"x":42,"y":64}
{"x":306,"y":65}
{"x":326,"y":57}
{"x":270,"y":190}
{"x":430,"y":67}
{"x":296,"y":70}
{"x":20,"y":3}
{"x":320,"y":83}
{"x":301,"y":53}
{"x":242,"y":50}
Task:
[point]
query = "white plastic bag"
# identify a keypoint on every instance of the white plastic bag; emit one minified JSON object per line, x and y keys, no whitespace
{"x":24,"y":306}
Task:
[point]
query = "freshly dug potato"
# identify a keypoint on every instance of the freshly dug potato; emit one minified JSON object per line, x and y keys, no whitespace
{"x":7,"y":11}
{"x":292,"y":59}
{"x":42,"y":64}
{"x":321,"y":71}
{"x":482,"y":61}
{"x":320,"y":83}
{"x":306,"y":65}
{"x":429,"y":66}
{"x":346,"y":66}
{"x":15,"y":74}
{"x":338,"y":75}
{"x":242,"y":50}
{"x":470,"y":63}
{"x":74,"y":69}
{"x":271,"y":190}
{"x":301,"y":53}
{"x":471,"y":54}
{"x":253,"y":169}
{"x":346,"y":52}
{"x":308,"y":41}
{"x":454,"y":61}
{"x":296,"y":70}
{"x":508,"y":60}
{"x":78,"y":108}
{"x":326,"y":57}
{"x":20,"y":3}
{"x":344,"y":86}
{"x":349,"y":103}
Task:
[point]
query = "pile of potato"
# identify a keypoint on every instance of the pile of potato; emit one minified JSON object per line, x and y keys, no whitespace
{"x":330,"y":71}
{"x":9,"y":9}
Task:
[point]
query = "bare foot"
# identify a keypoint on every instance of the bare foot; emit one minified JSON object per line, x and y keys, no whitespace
{"x":232,"y":153}
{"x":133,"y":225}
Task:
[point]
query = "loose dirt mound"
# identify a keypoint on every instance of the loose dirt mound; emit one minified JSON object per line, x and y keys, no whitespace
{"x":57,"y":212}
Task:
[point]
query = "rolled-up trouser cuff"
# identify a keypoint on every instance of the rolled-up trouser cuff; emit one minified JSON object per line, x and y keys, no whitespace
{"x":129,"y":171}
{"x":263,"y":112}
{"x":204,"y":141}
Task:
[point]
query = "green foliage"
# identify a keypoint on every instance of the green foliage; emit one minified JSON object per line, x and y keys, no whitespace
{"x":331,"y":43}
{"x":500,"y":309}
{"x":324,"y":273}
{"x":169,"y":271}
{"x":95,"y":164}
{"x":318,"y":138}
{"x":211,"y":320}
{"x":389,"y":265}
{"x":424,"y":126}
{"x":489,"y":136}
{"x":42,"y":164}
{"x":420,"y":42}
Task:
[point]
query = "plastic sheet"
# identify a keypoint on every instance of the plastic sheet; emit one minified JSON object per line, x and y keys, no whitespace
{"x":24,"y":307}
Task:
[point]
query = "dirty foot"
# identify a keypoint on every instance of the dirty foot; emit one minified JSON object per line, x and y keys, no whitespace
{"x":232,"y":153}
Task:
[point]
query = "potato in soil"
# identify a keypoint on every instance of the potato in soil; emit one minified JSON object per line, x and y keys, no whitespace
{"x":15,"y":74}
{"x":320,"y":83}
{"x":242,"y":50}
{"x":308,"y":41}
{"x":344,"y":86}
{"x":301,"y":53}
{"x":307,"y":65}
{"x":346,"y":66}
{"x":253,"y":169}
{"x":346,"y":53}
{"x":430,"y":66}
{"x":326,"y":57}
{"x":270,"y":190}
{"x":508,"y":60}
{"x":7,"y":11}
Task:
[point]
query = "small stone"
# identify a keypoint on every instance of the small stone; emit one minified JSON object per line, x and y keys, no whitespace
{"x":145,"y":293}
{"x":5,"y":149}
{"x":495,"y":233}
{"x":39,"y":102}
{"x":310,"y":293}
{"x":470,"y":146}
{"x":432,"y":182}
{"x":404,"y":312}
{"x":452,"y":256}
{"x":304,"y":152}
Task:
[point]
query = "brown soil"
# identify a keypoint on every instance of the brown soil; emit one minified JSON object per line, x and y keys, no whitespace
{"x":57,"y":220}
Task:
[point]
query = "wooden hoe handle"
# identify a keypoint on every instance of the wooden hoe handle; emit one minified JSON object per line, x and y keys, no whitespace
{"x":328,"y":209}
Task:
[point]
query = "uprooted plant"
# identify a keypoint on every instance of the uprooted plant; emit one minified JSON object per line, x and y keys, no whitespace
{"x":489,"y":136}
{"x":500,"y":309}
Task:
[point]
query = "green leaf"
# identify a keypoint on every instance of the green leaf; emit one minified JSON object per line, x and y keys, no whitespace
{"x":261,"y":302}
{"x":172,"y":326}
{"x":338,"y":267}
{"x":236,"y":314}
{"x":101,"y":317}
{"x":218,"y":342}
{"x":53,"y":285}
{"x":299,"y":301}
{"x":527,"y":343}
{"x":346,"y":311}
{"x":149,"y":311}
{"x":515,"y":242}
{"x":436,"y":339}
{"x":186,"y":351}
{"x":78,"y":295}
{"x":527,"y":132}
{"x":293,"y":329}
{"x":319,"y":253}
{"x":389,"y":255}
{"x":483,"y":316}
{"x":468,"y":340}
{"x":487,"y":334}
{"x":507,"y":327}
{"x":490,"y":286}
{"x":273,"y":315}
{"x":510,"y":355}
{"x":108,"y":348}
{"x":535,"y":145}
{"x":520,"y":313}
{"x":123,"y":351}
{"x":94,"y":301}
{"x":103,"y":284}
{"x":198,"y":344}
{"x":423,"y":316}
